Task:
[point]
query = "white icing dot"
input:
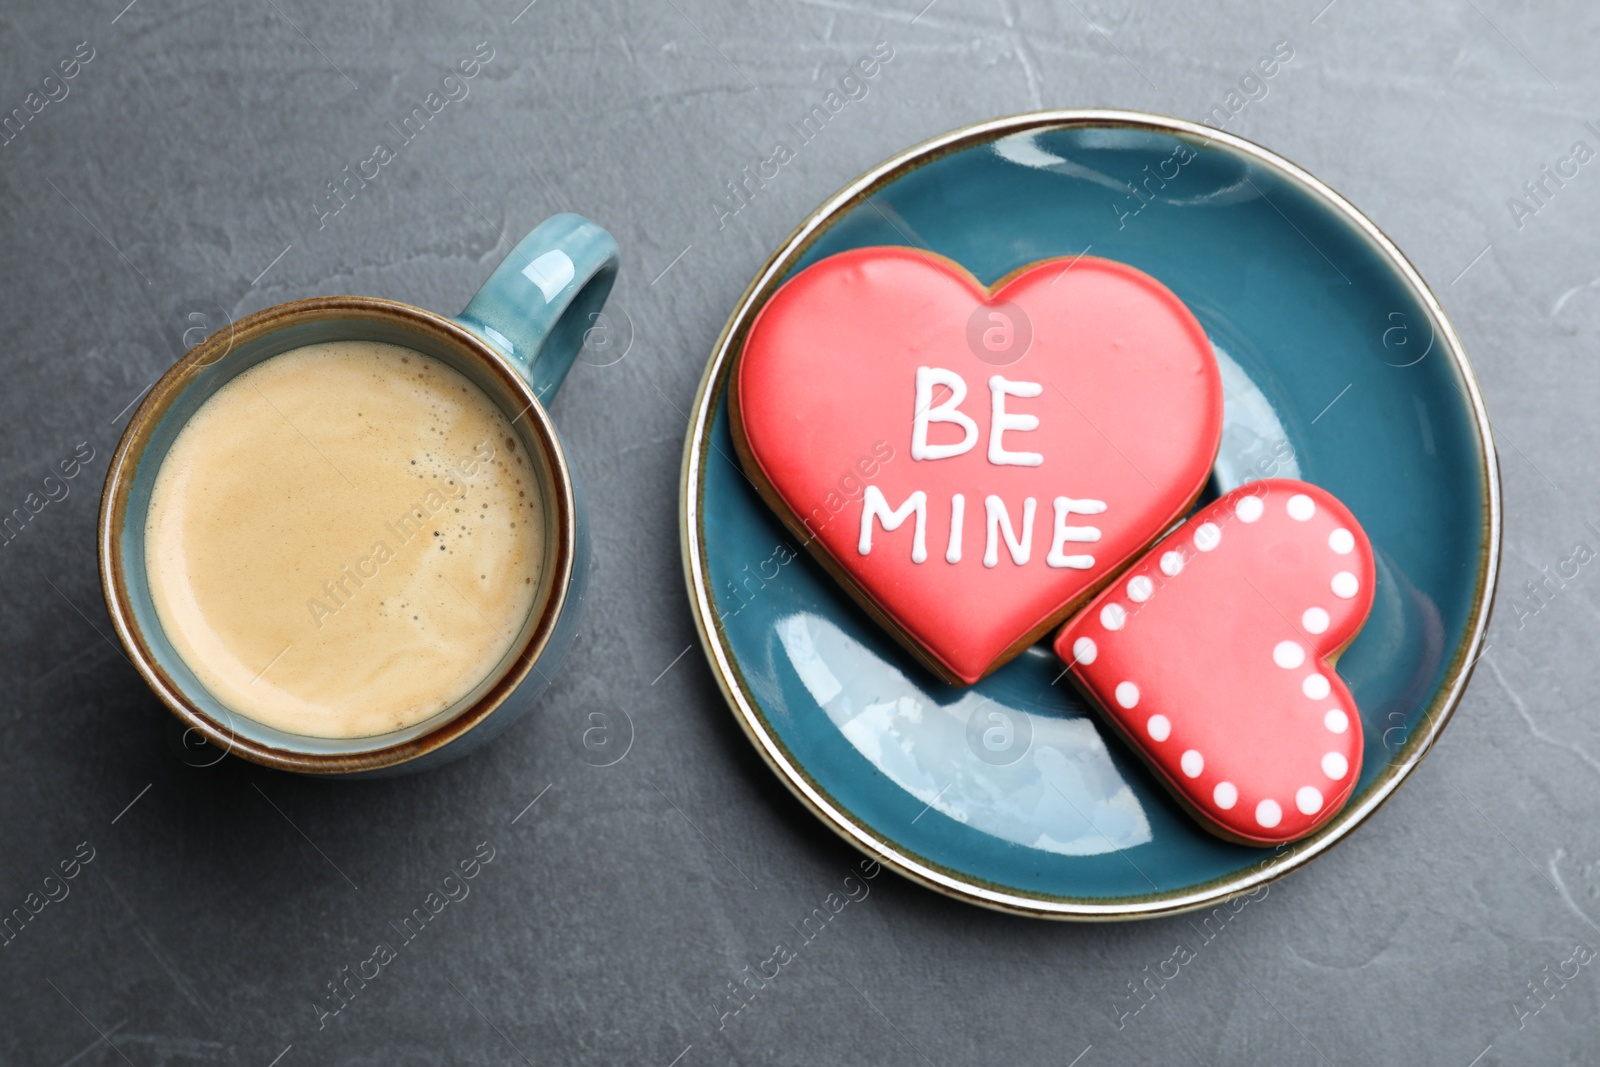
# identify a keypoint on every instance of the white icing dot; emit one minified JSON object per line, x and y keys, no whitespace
{"x":1345,"y":585}
{"x":1193,"y":763}
{"x":1225,"y":795}
{"x":1315,"y":620}
{"x":1288,"y":655}
{"x":1268,"y":813}
{"x":1342,"y":541}
{"x":1336,"y":721}
{"x":1316,"y":687}
{"x":1207,"y":537}
{"x":1127,"y":694}
{"x":1301,"y":507}
{"x":1308,"y":800}
{"x":1335,"y":766}
{"x":1249,"y":508}
{"x":1084,"y":650}
{"x":1112,"y":616}
{"x":1159,"y":726}
{"x":1171,"y":563}
{"x":1139,"y":589}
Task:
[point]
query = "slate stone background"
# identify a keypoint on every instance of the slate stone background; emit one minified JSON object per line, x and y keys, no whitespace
{"x":180,"y":182}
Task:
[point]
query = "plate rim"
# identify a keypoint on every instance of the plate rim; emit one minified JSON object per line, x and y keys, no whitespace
{"x":962,"y":887}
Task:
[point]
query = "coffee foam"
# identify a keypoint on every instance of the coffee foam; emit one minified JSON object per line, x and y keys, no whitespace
{"x":345,"y":540}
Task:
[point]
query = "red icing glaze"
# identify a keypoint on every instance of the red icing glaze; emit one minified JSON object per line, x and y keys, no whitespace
{"x":1129,"y":409}
{"x":1227,"y":658}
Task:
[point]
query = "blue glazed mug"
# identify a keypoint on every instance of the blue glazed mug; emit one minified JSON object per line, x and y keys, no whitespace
{"x":515,"y":340}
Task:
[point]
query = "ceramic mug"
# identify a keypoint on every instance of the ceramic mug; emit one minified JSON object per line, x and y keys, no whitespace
{"x":515,"y":340}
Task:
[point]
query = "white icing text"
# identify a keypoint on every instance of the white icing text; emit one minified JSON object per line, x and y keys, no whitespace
{"x":1001,"y":525}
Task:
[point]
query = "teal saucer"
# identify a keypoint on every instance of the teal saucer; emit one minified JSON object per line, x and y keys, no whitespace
{"x":1339,"y":368}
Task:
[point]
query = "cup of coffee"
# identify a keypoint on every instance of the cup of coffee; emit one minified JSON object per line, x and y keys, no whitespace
{"x":341,"y":536}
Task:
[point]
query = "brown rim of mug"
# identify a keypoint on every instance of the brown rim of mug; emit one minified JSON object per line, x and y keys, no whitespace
{"x":130,"y":449}
{"x":961,"y":886}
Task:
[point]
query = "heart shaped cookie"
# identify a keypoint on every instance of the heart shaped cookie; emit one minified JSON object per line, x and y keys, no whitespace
{"x":972,"y":464}
{"x":1213,"y":657}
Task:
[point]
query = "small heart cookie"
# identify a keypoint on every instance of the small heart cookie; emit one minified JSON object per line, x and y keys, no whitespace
{"x":1213,"y":657}
{"x":973,"y":464}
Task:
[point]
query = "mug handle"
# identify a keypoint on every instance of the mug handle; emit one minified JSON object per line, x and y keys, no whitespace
{"x":544,"y":297}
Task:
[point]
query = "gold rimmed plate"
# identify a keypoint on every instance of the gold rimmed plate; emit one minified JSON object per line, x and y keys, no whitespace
{"x":1339,"y":368}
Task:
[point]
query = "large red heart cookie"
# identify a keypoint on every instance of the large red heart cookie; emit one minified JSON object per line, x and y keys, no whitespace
{"x":973,"y":464}
{"x":1213,"y":657}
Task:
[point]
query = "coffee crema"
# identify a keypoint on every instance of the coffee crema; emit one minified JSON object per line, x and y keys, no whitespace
{"x":345,"y":540}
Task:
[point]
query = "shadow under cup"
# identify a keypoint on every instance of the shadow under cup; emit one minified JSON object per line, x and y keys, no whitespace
{"x":479,"y":715}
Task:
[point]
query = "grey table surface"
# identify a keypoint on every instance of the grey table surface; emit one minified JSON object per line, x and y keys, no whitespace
{"x":181,"y":182}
